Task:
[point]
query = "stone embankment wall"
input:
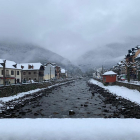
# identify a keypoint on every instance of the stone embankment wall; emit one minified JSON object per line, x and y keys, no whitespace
{"x":6,"y":91}
{"x":130,"y":86}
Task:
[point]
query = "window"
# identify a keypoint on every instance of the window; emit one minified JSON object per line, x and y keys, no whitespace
{"x":29,"y":73}
{"x":12,"y":72}
{"x":34,"y":72}
{"x":1,"y":72}
{"x":24,"y":73}
{"x":17,"y":72}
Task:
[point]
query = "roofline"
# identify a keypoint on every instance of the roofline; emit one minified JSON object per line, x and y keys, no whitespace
{"x":109,"y":74}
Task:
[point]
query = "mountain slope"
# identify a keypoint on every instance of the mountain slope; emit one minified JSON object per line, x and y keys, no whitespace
{"x":107,"y":56}
{"x":31,"y":53}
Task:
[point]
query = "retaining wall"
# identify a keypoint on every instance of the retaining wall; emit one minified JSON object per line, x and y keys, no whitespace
{"x":130,"y":86}
{"x":6,"y":91}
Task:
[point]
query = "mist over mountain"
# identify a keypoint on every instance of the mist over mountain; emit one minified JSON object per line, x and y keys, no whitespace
{"x":106,"y":56}
{"x":21,"y":53}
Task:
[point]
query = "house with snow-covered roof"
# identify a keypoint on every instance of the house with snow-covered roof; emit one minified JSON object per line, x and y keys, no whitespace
{"x":12,"y":72}
{"x":132,"y":56}
{"x":31,"y":71}
{"x":109,"y":77}
{"x":63,"y":73}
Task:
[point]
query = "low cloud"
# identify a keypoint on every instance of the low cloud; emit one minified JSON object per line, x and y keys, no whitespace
{"x":72,"y":28}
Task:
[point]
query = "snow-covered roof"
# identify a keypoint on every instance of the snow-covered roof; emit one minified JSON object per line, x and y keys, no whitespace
{"x":36,"y":66}
{"x":119,"y":63}
{"x":9,"y":64}
{"x":63,"y":70}
{"x":51,"y":64}
{"x":110,"y":73}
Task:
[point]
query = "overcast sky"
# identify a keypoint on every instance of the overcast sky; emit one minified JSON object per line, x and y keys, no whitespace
{"x":70,"y":27}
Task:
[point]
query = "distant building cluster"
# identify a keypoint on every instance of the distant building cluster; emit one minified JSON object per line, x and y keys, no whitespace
{"x":127,"y":69}
{"x":13,"y":73}
{"x":130,"y":66}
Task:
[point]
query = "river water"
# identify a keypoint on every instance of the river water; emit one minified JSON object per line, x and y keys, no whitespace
{"x":57,"y":102}
{"x":86,"y":101}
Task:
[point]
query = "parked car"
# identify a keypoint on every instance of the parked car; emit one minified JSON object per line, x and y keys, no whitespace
{"x":122,"y":79}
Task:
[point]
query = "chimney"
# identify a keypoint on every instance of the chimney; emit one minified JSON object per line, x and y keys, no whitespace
{"x":15,"y":65}
{"x":132,"y":49}
{"x":129,"y":51}
{"x":29,"y":66}
{"x":22,"y":66}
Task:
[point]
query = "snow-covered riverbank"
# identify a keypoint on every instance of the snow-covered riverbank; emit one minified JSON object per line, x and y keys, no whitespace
{"x":19,"y":95}
{"x":132,"y":95}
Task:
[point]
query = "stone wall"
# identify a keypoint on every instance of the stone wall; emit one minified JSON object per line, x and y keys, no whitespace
{"x":6,"y":91}
{"x":130,"y":86}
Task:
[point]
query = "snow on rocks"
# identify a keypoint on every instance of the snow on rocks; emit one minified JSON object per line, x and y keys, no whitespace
{"x":6,"y":99}
{"x":21,"y":98}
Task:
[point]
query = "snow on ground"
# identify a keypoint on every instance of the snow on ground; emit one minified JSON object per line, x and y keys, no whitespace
{"x":69,"y":129}
{"x":6,"y":99}
{"x":130,"y":94}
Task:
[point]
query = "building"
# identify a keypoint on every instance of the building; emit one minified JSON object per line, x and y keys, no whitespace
{"x":49,"y":71}
{"x":57,"y":72}
{"x":98,"y":73}
{"x":63,"y":73}
{"x":133,"y":56}
{"x":12,"y":72}
{"x":32,"y":71}
{"x":109,"y":77}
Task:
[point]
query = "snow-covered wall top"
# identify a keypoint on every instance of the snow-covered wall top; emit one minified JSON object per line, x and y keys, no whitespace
{"x":110,"y":73}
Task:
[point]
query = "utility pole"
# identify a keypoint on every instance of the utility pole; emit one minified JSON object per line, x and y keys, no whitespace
{"x":3,"y":64}
{"x":4,"y":72}
{"x":50,"y":72}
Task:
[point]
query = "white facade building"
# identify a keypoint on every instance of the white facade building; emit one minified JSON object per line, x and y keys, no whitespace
{"x":49,"y":71}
